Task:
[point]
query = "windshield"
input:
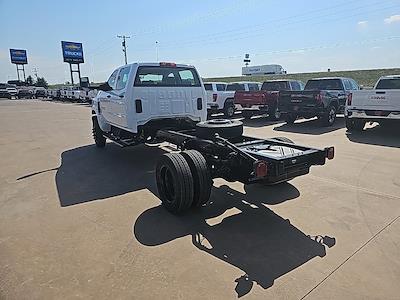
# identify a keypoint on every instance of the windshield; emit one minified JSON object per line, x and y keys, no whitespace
{"x":235,"y":87}
{"x":388,"y":84}
{"x":167,"y":77}
{"x":275,"y":86}
{"x":324,"y":84}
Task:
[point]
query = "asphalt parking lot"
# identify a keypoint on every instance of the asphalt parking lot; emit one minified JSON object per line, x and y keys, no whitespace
{"x":82,"y":222}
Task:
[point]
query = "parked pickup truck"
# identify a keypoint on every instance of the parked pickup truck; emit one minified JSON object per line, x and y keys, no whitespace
{"x":166,"y":102}
{"x":322,"y":98}
{"x":382,"y":104}
{"x":215,"y":96}
{"x":264,"y":101}
{"x":225,"y":100}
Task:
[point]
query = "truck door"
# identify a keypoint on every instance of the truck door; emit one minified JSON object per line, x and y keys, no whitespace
{"x":118,"y":101}
{"x":105,"y":98}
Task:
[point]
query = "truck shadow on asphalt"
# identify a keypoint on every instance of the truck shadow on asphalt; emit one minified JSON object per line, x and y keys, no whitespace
{"x":88,"y":173}
{"x":311,"y":126}
{"x":377,"y":135}
{"x":263,"y":245}
{"x":259,"y":121}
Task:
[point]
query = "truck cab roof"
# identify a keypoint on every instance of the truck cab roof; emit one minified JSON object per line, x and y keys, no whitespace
{"x":390,"y":77}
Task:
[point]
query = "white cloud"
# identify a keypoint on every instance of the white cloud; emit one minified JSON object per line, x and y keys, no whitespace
{"x":392,"y":19}
{"x":362,"y":24}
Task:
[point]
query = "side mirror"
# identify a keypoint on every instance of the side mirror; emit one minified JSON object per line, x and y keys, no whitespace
{"x":361,"y":87}
{"x":104,"y":87}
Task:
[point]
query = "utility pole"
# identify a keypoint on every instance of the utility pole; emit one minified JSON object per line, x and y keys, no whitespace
{"x":124,"y":37}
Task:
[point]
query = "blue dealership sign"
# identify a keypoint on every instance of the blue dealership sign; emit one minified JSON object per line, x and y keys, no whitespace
{"x":72,"y":52}
{"x":18,"y":56}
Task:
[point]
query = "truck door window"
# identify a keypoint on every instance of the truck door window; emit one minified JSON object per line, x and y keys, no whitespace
{"x":347,"y":84}
{"x":208,"y":86}
{"x":112,"y":79}
{"x":122,"y":78}
{"x":354,"y":85}
{"x":221,"y":87}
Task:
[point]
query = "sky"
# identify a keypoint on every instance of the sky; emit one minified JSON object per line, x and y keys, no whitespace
{"x":214,"y":36}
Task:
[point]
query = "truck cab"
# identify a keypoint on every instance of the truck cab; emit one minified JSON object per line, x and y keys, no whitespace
{"x":138,"y":98}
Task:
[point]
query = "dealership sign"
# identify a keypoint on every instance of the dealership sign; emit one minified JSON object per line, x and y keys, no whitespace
{"x":18,"y":56}
{"x":72,"y":52}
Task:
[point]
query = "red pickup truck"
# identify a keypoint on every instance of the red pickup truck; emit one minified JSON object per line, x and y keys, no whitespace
{"x":265,"y":101}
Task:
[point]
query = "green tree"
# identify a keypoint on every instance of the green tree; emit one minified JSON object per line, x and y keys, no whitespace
{"x":41,"y":82}
{"x":29,"y":80}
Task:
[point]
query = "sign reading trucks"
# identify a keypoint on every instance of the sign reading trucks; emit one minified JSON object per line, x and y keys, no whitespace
{"x":72,"y":52}
{"x":18,"y":56}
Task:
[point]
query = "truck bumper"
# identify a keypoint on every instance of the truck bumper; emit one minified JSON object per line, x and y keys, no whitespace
{"x":255,"y":108}
{"x":373,"y":115}
{"x":212,"y":108}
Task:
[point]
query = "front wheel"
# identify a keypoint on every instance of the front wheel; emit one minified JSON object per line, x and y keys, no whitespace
{"x":275,"y":114}
{"x":330,"y":117}
{"x":290,"y":118}
{"x":98,"y":137}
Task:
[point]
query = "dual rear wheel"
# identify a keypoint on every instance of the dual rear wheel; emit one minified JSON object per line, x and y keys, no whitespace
{"x":183,"y":181}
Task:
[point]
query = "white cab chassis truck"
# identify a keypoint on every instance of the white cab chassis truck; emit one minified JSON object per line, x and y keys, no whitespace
{"x":167,"y":102}
{"x":381,"y":104}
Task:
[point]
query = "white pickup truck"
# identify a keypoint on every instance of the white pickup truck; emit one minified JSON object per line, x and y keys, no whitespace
{"x":381,"y":104}
{"x":223,"y":101}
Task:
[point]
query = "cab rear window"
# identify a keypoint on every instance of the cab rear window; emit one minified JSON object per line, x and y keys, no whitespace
{"x":167,"y":77}
{"x":388,"y":84}
{"x":324,"y":84}
{"x":275,"y":86}
{"x":235,"y":87}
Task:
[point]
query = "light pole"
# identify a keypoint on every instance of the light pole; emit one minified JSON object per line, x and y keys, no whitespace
{"x":124,"y":37}
{"x":157,"y":50}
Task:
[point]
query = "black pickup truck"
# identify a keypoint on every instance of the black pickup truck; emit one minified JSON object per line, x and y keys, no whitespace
{"x":322,"y":98}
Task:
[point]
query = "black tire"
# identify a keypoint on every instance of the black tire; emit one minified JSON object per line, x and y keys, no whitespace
{"x":283,"y":139}
{"x":290,"y":118}
{"x":174,"y":183}
{"x":229,"y":109}
{"x":98,"y":137}
{"x":247,"y":115}
{"x":228,"y":129}
{"x":274,"y":114}
{"x":329,"y":118}
{"x":201,"y":176}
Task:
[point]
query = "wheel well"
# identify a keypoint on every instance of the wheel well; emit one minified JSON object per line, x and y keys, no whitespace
{"x":228,"y":100}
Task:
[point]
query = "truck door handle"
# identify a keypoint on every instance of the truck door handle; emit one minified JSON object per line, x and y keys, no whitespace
{"x":108,"y":96}
{"x":121,"y":96}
